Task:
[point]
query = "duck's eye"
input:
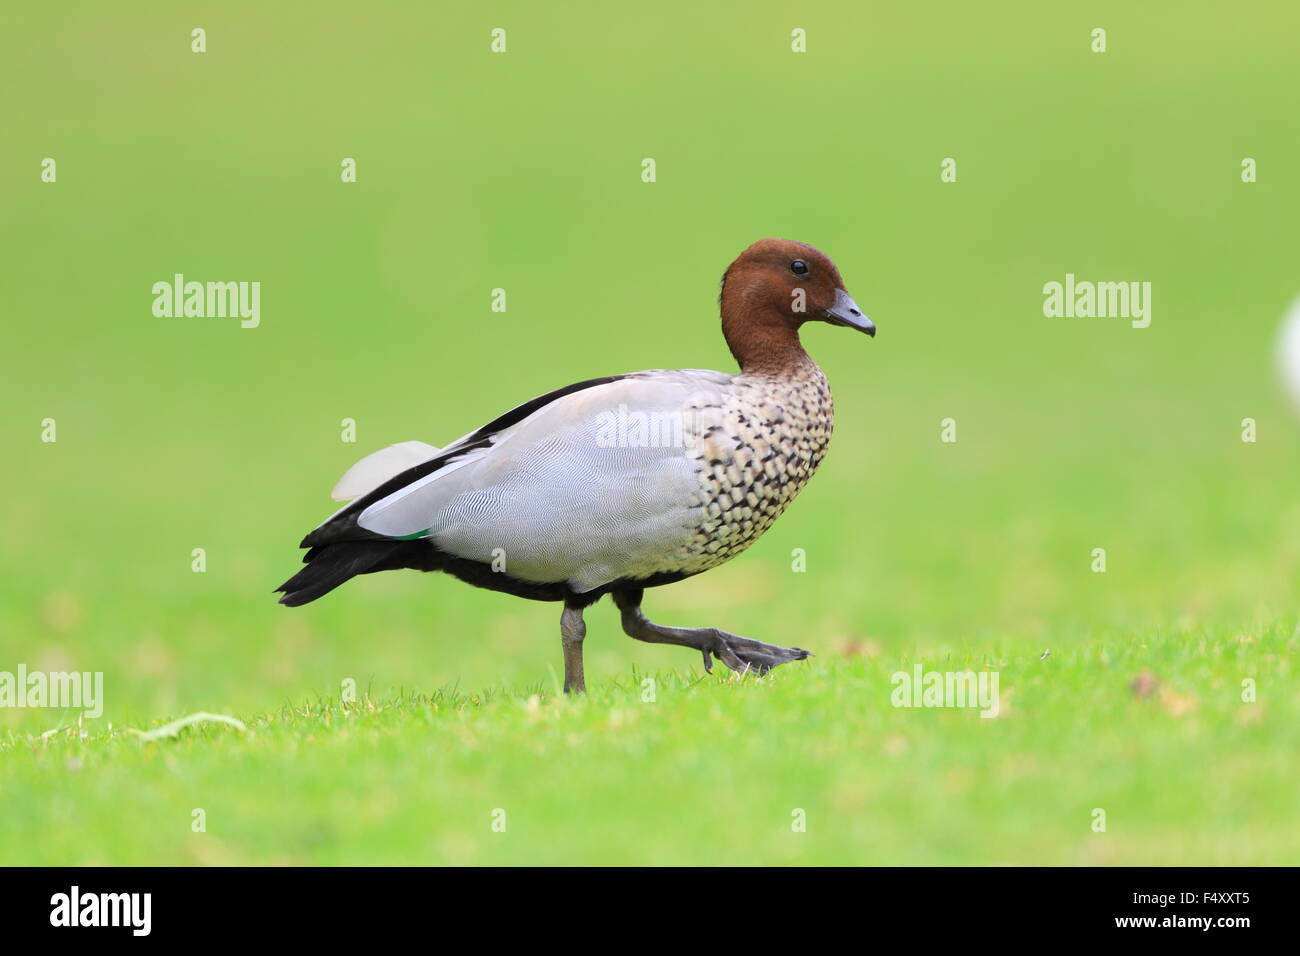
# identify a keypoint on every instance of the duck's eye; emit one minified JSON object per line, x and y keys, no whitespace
{"x":799,"y":267}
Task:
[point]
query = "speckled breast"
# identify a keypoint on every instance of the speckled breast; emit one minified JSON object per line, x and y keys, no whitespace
{"x":754,"y":458}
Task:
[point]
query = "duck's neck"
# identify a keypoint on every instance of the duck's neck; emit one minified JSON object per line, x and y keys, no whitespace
{"x":764,"y":345}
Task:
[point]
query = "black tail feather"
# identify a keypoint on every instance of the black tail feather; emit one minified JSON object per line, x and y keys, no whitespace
{"x":330,"y":565}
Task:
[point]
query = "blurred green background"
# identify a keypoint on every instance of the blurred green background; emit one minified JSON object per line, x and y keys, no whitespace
{"x":522,"y":171}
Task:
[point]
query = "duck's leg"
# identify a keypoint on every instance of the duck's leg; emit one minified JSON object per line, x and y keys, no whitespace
{"x":738,"y":653}
{"x":572,"y":630}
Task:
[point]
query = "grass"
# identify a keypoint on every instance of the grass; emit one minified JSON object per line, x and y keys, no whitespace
{"x":712,"y":770}
{"x":519,"y":171}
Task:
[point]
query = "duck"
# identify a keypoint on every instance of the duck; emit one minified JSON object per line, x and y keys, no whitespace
{"x":613,"y":485}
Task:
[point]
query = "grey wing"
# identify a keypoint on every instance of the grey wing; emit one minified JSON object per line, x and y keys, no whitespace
{"x":598,"y":485}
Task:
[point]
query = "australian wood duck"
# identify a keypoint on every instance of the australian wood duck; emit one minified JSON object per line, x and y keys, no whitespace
{"x":613,"y":485}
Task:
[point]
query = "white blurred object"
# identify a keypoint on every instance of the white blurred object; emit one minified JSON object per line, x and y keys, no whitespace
{"x":373,"y":470}
{"x":1289,"y":352}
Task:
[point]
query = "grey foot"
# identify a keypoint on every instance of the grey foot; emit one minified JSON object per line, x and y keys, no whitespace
{"x":739,"y":653}
{"x":744,"y":654}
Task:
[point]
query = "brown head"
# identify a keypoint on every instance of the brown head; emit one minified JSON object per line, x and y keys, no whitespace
{"x":773,"y":288}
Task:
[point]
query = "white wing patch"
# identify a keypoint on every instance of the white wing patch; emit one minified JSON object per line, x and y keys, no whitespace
{"x":373,"y":470}
{"x":588,"y":489}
